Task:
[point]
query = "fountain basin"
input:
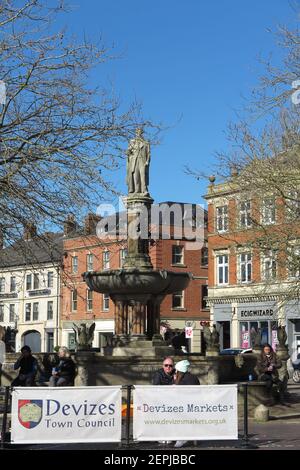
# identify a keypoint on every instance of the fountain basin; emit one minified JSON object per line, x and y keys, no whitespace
{"x":126,"y":282}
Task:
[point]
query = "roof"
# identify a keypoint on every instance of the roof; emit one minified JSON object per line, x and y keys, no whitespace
{"x":44,"y":248}
{"x":118,"y":221}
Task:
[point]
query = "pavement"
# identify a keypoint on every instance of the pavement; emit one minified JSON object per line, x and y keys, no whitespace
{"x":281,"y":432}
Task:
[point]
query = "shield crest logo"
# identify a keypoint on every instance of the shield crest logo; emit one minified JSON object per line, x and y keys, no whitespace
{"x":30,"y":412}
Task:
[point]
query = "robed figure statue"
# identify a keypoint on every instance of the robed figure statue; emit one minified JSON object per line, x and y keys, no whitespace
{"x":138,"y":160}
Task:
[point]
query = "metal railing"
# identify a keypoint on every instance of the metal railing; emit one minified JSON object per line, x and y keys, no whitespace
{"x":127,"y":441}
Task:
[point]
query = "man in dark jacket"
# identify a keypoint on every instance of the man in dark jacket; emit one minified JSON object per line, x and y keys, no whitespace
{"x":28,"y":369}
{"x":165,"y":376}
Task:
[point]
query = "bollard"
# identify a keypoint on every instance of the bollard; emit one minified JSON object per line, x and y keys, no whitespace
{"x":261,"y":414}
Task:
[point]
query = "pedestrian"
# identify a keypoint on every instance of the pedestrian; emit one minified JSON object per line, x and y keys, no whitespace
{"x":64,"y":374}
{"x":179,"y":342}
{"x":28,"y":368}
{"x":267,"y":369}
{"x":165,"y":376}
{"x":184,"y":377}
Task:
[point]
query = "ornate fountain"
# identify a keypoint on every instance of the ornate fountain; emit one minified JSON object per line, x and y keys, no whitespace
{"x":137,"y":289}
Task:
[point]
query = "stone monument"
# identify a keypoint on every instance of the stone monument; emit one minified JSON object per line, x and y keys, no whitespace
{"x":212,"y":340}
{"x":137,"y":289}
{"x":283,"y":354}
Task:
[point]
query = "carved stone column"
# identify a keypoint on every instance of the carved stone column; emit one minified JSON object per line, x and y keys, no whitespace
{"x":153,"y":316}
{"x":121,"y":316}
{"x":138,"y":318}
{"x":283,"y":354}
{"x":138,"y":213}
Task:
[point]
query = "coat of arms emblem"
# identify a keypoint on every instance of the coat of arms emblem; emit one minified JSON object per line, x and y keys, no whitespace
{"x":30,"y":412}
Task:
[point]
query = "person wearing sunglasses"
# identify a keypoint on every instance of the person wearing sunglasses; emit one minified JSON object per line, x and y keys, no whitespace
{"x":165,"y":376}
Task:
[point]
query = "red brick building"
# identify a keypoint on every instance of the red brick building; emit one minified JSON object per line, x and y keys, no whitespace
{"x":84,"y":251}
{"x":249,"y":286}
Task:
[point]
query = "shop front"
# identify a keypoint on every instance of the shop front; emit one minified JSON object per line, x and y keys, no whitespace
{"x":257,"y":319}
{"x":240,"y":324}
{"x":222,"y":316}
{"x":292,"y":314}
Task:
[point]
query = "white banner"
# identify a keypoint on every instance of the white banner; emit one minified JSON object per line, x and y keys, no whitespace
{"x":66,"y":414}
{"x":188,"y":332}
{"x":184,"y":412}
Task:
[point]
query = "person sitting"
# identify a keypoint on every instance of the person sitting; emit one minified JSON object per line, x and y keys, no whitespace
{"x":267,"y":369}
{"x":28,"y":368}
{"x":184,"y":377}
{"x":165,"y":376}
{"x":64,"y":374}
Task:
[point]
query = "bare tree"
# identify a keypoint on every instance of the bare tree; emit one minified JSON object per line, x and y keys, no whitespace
{"x":262,"y":165}
{"x":59,"y":138}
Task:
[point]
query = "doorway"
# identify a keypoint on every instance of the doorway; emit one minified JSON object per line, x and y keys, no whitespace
{"x":33,"y":340}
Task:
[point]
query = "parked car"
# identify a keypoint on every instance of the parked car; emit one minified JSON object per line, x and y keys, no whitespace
{"x":234,"y":351}
{"x":294,"y":369}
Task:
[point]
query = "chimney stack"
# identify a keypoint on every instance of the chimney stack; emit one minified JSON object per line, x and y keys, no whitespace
{"x":29,"y":231}
{"x":69,"y":225}
{"x":90,"y":223}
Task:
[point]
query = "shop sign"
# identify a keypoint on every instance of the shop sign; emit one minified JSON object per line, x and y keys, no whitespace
{"x":257,"y":312}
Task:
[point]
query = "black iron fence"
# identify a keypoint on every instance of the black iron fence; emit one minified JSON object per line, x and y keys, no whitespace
{"x":127,"y":438}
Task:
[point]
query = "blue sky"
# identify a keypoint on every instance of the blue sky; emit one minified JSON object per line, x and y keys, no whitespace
{"x":190,"y":63}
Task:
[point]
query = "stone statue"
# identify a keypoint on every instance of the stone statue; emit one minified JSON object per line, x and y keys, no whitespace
{"x":211,"y":338}
{"x":8,"y":335}
{"x":138,"y":160}
{"x":84,"y":335}
{"x":281,"y":336}
{"x":2,"y":333}
{"x":239,"y":360}
{"x":255,"y":338}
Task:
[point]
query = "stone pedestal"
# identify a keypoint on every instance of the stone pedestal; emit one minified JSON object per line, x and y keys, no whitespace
{"x":213,"y":370}
{"x":257,"y":351}
{"x":212,"y":352}
{"x":84,"y":360}
{"x":127,"y":347}
{"x":283,"y":354}
{"x":138,"y":217}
